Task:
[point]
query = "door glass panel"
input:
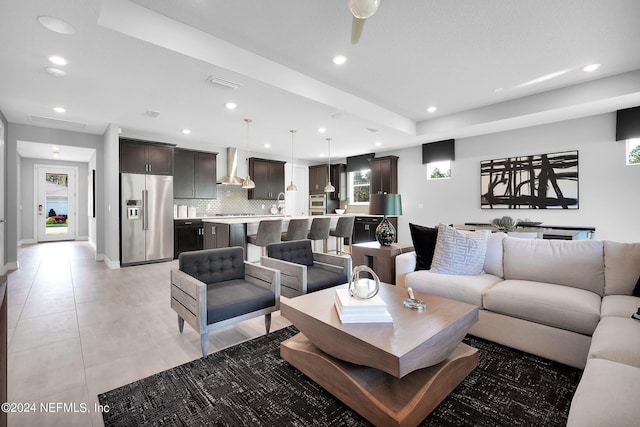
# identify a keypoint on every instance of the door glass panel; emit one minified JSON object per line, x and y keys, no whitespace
{"x":57,"y":203}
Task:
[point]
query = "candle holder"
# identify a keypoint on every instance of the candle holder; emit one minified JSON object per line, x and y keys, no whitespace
{"x":361,"y":288}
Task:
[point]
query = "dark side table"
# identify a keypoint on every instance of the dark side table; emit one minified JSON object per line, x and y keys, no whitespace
{"x":381,"y":259}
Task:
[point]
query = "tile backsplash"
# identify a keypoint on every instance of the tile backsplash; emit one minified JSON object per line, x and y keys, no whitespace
{"x":232,"y":199}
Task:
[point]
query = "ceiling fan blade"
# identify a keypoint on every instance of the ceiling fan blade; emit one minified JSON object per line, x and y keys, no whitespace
{"x":356,"y":29}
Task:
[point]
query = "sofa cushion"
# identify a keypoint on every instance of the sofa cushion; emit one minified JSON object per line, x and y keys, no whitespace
{"x":619,"y":305}
{"x":617,"y":339}
{"x":621,"y":267}
{"x":577,"y":263}
{"x":424,"y":243}
{"x":296,"y":251}
{"x":213,"y":265}
{"x":459,"y":252}
{"x":606,"y":396}
{"x":467,"y":289}
{"x":493,"y":257}
{"x":559,"y":306}
{"x":321,"y":278}
{"x":233,"y":298}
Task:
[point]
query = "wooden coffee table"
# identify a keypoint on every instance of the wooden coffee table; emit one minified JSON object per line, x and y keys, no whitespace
{"x":390,"y":373}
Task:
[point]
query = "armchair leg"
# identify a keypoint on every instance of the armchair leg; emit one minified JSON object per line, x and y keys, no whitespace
{"x":204,"y":341}
{"x":267,"y":322}
{"x":180,"y":324}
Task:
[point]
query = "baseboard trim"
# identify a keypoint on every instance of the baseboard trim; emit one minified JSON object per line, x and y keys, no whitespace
{"x":111,"y":264}
{"x":26,"y":242}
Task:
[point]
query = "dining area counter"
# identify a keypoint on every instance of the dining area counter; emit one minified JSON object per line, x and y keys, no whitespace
{"x":220,"y":232}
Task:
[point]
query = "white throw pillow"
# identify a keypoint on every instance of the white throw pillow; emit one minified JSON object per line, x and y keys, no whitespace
{"x":459,"y":252}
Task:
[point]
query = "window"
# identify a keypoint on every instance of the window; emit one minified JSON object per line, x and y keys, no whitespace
{"x":359,"y":187}
{"x":633,"y":151}
{"x":439,"y":170}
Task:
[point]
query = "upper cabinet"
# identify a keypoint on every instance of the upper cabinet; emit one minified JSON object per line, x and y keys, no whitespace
{"x":339,"y":181}
{"x":194,"y":175}
{"x":384,"y":174}
{"x":268,"y":176}
{"x":317,"y":179}
{"x":145,"y":157}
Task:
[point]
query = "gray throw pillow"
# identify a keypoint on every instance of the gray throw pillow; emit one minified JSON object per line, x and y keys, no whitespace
{"x":459,"y":252}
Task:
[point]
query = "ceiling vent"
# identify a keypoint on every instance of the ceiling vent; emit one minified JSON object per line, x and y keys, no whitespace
{"x":219,"y":81}
{"x":151,"y":113}
{"x":58,"y":122}
{"x":371,"y":130}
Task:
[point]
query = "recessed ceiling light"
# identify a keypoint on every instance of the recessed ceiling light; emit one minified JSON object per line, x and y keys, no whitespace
{"x":231,"y":105}
{"x":591,"y":67}
{"x":378,"y":143}
{"x":56,"y":72}
{"x":58,"y":60}
{"x":56,"y":155}
{"x":186,"y":131}
{"x":432,"y":109}
{"x":59,"y":109}
{"x":56,"y":25}
{"x":322,"y":130}
{"x":339,"y":59}
{"x":267,"y":145}
{"x":55,"y":149}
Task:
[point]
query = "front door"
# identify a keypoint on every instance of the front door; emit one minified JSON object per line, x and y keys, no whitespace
{"x":55,"y":203}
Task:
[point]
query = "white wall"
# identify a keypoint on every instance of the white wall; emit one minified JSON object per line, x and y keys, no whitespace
{"x":608,"y":188}
{"x":109,"y":191}
{"x":27,"y":209}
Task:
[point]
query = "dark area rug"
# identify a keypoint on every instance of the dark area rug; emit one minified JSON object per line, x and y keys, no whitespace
{"x":249,"y":384}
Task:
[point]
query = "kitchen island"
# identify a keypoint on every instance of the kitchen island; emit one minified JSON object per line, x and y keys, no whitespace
{"x":222,"y":232}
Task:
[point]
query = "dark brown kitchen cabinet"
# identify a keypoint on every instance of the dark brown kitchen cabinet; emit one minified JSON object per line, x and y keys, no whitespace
{"x":268,"y":176}
{"x":194,"y":175}
{"x":317,"y":179}
{"x":384,"y":175}
{"x":188,"y":235}
{"x":146,"y":157}
{"x":339,"y":181}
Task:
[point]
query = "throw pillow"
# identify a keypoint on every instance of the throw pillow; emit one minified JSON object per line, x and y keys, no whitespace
{"x":636,"y":290}
{"x":459,"y":252}
{"x":424,"y":243}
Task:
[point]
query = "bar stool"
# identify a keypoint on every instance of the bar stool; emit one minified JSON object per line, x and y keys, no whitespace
{"x":320,"y":231}
{"x":344,"y":228}
{"x":297,"y":230}
{"x":269,"y":231}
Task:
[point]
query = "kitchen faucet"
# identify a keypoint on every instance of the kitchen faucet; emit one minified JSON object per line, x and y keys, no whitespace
{"x":282,"y":203}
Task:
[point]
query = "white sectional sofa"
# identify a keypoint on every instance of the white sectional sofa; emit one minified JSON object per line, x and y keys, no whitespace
{"x":569,"y":301}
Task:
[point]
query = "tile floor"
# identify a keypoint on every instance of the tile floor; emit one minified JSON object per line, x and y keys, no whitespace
{"x":78,"y":328}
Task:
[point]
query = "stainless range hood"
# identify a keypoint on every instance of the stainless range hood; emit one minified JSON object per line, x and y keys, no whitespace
{"x":232,"y":168}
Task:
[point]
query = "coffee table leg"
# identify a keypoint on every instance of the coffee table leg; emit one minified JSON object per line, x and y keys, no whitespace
{"x":379,"y":397}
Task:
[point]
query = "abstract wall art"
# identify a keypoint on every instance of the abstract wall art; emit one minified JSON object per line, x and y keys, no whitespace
{"x":542,"y":181}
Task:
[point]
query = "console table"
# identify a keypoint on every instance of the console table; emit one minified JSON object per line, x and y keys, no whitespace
{"x":382,"y":259}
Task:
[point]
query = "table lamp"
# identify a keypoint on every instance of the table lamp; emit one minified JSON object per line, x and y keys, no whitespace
{"x":385,"y":204}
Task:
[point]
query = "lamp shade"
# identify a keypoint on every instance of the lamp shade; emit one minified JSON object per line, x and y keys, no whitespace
{"x":385,"y":204}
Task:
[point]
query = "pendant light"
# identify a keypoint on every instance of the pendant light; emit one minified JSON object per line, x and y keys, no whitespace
{"x":248,"y":183}
{"x":329,"y":188}
{"x":292,"y":186}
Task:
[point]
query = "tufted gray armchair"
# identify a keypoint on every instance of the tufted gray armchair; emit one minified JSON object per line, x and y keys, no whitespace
{"x":302,"y":270}
{"x":214,"y":288}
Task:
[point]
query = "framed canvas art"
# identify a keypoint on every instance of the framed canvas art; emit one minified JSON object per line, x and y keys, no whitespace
{"x":542,"y":181}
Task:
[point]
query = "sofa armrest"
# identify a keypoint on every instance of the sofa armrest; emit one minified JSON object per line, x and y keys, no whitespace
{"x":264,"y":276}
{"x":405,"y":264}
{"x":292,"y":275}
{"x":189,"y":299}
{"x":341,"y":261}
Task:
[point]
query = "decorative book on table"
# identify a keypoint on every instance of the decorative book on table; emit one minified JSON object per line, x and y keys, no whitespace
{"x":356,"y":310}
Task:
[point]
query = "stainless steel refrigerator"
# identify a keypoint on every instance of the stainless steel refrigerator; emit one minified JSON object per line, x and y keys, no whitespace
{"x":146,"y":224}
